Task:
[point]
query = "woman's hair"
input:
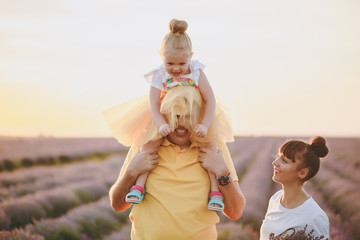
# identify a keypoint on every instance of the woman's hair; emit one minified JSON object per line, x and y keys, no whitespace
{"x":308,"y":154}
{"x":177,"y":37}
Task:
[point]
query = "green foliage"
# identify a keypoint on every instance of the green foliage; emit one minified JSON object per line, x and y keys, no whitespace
{"x":22,"y":213}
{"x":55,"y":230}
{"x":60,"y":204}
{"x":9,"y":165}
{"x":84,"y":196}
{"x":90,"y":193}
{"x":95,"y":230}
{"x":64,"y":159}
{"x":121,"y":217}
{"x":224,"y":235}
{"x":46,"y":161}
{"x":4,"y":220}
{"x":236,"y":231}
{"x":14,"y":164}
{"x":22,"y":192}
{"x":8,"y":183}
{"x":27,"y":216}
{"x":65,"y":233}
{"x":27,"y":162}
{"x":19,"y":234}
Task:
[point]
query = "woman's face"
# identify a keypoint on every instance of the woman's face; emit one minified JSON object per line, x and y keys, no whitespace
{"x":285,"y":170}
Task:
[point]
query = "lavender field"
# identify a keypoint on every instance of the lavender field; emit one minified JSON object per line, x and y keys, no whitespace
{"x":58,"y":188}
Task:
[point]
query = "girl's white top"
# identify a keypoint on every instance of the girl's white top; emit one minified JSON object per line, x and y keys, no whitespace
{"x":158,"y":76}
{"x":279,"y":219}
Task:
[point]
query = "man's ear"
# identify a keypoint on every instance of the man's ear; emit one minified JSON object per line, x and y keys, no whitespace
{"x":303,"y":173}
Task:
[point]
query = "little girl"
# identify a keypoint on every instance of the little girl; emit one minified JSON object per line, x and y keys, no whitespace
{"x":130,"y":122}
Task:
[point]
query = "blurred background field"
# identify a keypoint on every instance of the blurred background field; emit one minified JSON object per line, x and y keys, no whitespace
{"x":55,"y":188}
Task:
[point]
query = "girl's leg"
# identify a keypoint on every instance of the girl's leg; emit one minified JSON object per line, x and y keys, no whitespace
{"x":141,"y":179}
{"x":214,"y":188}
{"x":139,"y":184}
{"x":213,"y":183}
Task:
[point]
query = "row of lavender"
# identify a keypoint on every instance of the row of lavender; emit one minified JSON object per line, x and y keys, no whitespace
{"x":18,"y":153}
{"x":88,"y":221}
{"x":17,"y":184}
{"x":67,"y":202}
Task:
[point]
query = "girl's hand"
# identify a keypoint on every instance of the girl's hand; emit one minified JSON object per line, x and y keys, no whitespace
{"x":165,"y":129}
{"x":211,"y":159}
{"x":200,"y":130}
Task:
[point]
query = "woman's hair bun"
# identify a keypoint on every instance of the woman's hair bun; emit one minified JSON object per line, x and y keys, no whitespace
{"x":178,"y":26}
{"x":318,"y":145}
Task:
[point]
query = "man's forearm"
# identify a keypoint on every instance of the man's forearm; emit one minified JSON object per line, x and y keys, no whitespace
{"x":119,"y":190}
{"x":234,"y":200}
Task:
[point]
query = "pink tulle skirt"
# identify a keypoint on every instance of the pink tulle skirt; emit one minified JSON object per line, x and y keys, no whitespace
{"x":131,"y":122}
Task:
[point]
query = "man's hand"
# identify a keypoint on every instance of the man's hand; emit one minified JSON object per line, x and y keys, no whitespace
{"x":143,"y":162}
{"x":211,"y":158}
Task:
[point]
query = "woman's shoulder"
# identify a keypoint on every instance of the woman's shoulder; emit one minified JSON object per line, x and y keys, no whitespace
{"x":274,"y":201}
{"x":277,"y":195}
{"x":317,"y":211}
{"x":318,"y":221}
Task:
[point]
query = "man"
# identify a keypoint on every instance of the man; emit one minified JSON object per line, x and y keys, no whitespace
{"x":177,"y":188}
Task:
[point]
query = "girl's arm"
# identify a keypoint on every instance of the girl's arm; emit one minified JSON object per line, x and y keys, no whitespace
{"x":164,"y":128}
{"x":155,"y":106}
{"x":208,"y":100}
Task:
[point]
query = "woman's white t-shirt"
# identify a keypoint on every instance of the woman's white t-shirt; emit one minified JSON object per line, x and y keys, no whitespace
{"x":280,"y":220}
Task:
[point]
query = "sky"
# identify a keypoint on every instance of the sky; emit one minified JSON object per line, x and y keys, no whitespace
{"x":281,"y":67}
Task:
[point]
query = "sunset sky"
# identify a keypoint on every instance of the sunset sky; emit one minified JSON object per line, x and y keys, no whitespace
{"x":282,"y":67}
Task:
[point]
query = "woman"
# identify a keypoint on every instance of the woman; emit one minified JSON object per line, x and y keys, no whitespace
{"x":291,"y":210}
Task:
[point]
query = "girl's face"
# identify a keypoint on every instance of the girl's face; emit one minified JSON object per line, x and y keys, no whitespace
{"x":176,"y":61}
{"x":285,"y":170}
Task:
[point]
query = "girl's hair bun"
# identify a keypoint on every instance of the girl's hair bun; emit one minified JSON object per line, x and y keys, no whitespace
{"x":178,"y":26}
{"x":318,"y":145}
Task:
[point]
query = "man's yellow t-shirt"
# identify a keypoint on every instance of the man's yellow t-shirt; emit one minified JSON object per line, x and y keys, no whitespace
{"x":176,"y":198}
